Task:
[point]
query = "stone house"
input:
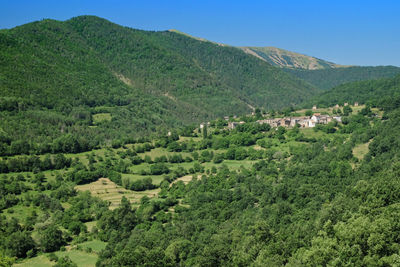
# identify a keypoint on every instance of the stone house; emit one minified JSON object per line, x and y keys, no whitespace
{"x":232,"y":125}
{"x":337,"y":118}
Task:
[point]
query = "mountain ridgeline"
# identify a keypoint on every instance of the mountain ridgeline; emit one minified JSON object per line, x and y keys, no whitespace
{"x":96,"y":81}
{"x":319,"y":73}
{"x":288,"y":59}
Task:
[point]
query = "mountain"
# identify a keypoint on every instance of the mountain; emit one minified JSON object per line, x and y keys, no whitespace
{"x":370,"y":91}
{"x":328,"y":78}
{"x":287,"y":59}
{"x":95,"y":81}
{"x":317,"y":72}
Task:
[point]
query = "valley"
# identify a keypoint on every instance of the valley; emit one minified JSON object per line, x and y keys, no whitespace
{"x":128,"y":147}
{"x":155,"y":179}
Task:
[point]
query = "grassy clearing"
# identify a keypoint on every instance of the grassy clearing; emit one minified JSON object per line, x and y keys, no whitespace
{"x":231,"y":164}
{"x":195,"y":139}
{"x":185,"y":179}
{"x":100,"y":117}
{"x":19,"y":212}
{"x":90,"y":225}
{"x":302,"y":112}
{"x":81,"y":258}
{"x":361,"y":150}
{"x":310,"y":133}
{"x":107,"y":190}
{"x":159,"y":151}
{"x":39,"y":261}
{"x":329,"y":110}
{"x":95,"y":245}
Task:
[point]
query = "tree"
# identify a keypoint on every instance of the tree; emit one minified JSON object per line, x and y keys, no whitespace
{"x":178,"y":251}
{"x":159,"y":168}
{"x":6,"y":261}
{"x":65,"y":262}
{"x":51,"y":238}
{"x":347,"y":110}
{"x":205,"y":131}
{"x":19,"y":243}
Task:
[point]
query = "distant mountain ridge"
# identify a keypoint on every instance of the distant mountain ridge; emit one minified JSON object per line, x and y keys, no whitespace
{"x":277,"y":56}
{"x":318,"y":73}
{"x":287,"y":59}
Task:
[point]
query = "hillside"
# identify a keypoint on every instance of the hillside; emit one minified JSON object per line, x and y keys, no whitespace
{"x":287,"y":59}
{"x":318,"y":73}
{"x":94,"y":82}
{"x":328,"y":78}
{"x":251,"y":196}
{"x":370,"y":91}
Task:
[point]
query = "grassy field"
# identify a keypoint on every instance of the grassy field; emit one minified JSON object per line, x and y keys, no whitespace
{"x":90,"y":225}
{"x":310,"y":133}
{"x":107,"y":190}
{"x":158,"y":152}
{"x":232,"y":164}
{"x":185,"y":179}
{"x":81,"y":258}
{"x":95,"y":245}
{"x":195,"y":139}
{"x":359,"y":151}
{"x":329,"y":110}
{"x":39,"y":261}
{"x":100,"y":117}
{"x":20,"y":212}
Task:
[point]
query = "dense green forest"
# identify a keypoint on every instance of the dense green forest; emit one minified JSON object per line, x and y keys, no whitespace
{"x":325,"y":79}
{"x":72,"y":86}
{"x":102,"y":162}
{"x":374,"y":92}
{"x":255,"y":195}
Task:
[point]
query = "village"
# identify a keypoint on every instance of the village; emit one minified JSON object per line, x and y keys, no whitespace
{"x":301,"y":121}
{"x":291,"y":121}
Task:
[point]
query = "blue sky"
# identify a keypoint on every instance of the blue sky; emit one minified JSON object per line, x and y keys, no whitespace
{"x":346,"y":32}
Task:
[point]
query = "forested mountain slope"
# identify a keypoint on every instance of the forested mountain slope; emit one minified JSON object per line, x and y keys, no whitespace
{"x":370,"y":91}
{"x":320,"y":206}
{"x":251,"y":196}
{"x":253,"y":79}
{"x":328,"y":78}
{"x":61,"y":78}
{"x":317,"y":72}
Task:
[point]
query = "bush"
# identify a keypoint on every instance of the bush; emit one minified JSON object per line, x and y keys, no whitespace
{"x":52,"y":257}
{"x":158,"y":169}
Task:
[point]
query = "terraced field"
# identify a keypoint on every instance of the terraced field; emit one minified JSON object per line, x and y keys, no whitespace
{"x":107,"y":190}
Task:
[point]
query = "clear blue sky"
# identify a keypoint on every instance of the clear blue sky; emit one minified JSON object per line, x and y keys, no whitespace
{"x":351,"y":32}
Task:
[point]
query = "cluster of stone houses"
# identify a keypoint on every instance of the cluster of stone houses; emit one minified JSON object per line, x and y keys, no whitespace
{"x":304,"y":122}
